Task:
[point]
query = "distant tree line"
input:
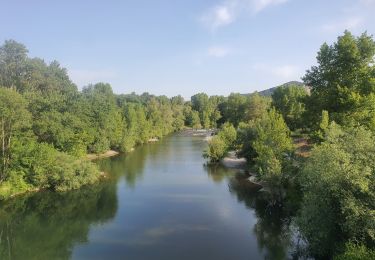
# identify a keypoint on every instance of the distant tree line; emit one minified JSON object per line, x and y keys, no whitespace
{"x":47,"y":125}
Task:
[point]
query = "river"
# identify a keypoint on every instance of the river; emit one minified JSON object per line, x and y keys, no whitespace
{"x":159,"y":202}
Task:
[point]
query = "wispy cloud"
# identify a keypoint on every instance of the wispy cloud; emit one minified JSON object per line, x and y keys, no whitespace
{"x":228,"y":11}
{"x":83,"y":77}
{"x":350,"y":23}
{"x":218,"y":52}
{"x":220,"y":15}
{"x":259,"y":5}
{"x":283,"y":72}
{"x":367,"y":2}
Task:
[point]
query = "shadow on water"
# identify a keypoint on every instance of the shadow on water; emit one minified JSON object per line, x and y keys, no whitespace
{"x":48,"y":225}
{"x":274,"y":229}
{"x":131,"y":165}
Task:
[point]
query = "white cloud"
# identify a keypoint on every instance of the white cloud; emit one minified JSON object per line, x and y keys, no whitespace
{"x":83,"y":77}
{"x":259,"y":5}
{"x":228,"y":11}
{"x":220,"y":15}
{"x":283,"y":72}
{"x":350,"y":23}
{"x":218,"y":52}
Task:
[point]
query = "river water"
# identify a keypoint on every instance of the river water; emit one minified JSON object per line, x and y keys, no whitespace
{"x":159,"y":202}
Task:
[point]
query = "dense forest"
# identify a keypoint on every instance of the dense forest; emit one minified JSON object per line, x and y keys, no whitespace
{"x":48,"y":127}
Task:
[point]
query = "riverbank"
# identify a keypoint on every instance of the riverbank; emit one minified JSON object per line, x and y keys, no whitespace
{"x":62,"y":176}
{"x":109,"y":153}
{"x":232,"y":161}
{"x":197,"y":132}
{"x":9,"y":190}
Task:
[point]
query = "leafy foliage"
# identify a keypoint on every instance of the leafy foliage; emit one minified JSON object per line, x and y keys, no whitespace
{"x":338,"y":183}
{"x":268,"y":145}
{"x":356,"y":252}
{"x":289,"y":101}
{"x":45,"y":138}
{"x":343,"y":78}
{"x":220,"y":144}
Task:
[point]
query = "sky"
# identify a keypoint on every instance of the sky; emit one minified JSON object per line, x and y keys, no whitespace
{"x":172,"y":47}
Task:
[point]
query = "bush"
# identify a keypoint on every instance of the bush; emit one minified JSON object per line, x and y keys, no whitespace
{"x":228,"y":134}
{"x":14,"y":184}
{"x":217,"y":149}
{"x":220,"y":144}
{"x":356,"y":252}
{"x":39,"y":165}
{"x":268,"y":145}
{"x":338,"y":183}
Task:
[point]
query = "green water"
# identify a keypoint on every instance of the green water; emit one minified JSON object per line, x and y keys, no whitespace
{"x":160,"y":202}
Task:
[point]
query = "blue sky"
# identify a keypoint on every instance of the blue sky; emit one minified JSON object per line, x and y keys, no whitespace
{"x":182,"y":47}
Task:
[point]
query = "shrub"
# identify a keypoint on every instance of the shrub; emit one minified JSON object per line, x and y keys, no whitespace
{"x":217,"y":149}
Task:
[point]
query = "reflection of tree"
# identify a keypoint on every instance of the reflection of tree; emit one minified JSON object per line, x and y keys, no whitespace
{"x":218,"y":172}
{"x":130,"y":165}
{"x":48,"y":225}
{"x":273,"y":227}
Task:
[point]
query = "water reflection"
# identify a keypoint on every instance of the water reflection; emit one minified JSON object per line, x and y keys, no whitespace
{"x":170,"y":206}
{"x":218,"y":173}
{"x":129,"y":167}
{"x":48,"y":225}
{"x":275,"y":233}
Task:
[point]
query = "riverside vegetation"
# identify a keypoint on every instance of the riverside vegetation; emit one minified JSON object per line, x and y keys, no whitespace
{"x":336,"y":114}
{"x":48,"y":126}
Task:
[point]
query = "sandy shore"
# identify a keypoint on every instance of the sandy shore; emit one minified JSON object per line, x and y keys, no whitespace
{"x":231,"y":161}
{"x":197,"y":132}
{"x":234,"y":162}
{"x":93,"y":156}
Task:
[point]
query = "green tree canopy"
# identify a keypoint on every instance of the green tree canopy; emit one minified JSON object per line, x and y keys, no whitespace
{"x":339,"y":184}
{"x":345,"y":74}
{"x":14,"y":118}
{"x":289,"y":101}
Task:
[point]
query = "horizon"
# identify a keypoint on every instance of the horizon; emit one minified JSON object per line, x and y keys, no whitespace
{"x":216,"y":47}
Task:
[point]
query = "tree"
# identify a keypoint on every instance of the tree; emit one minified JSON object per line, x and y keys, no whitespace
{"x":195,"y":120}
{"x":199,"y":102}
{"x":229,"y":134}
{"x":345,"y":74}
{"x":355,"y":252}
{"x":214,"y":112}
{"x":217,"y":149}
{"x":207,"y":108}
{"x":14,"y":117}
{"x":266,"y":143}
{"x":273,"y":146}
{"x":66,"y":123}
{"x":177,"y":104}
{"x":221,"y":144}
{"x":338,"y":184}
{"x":13,"y":56}
{"x":104,"y":116}
{"x":234,"y":109}
{"x":257,"y":107}
{"x":289,"y":101}
{"x":46,"y":78}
